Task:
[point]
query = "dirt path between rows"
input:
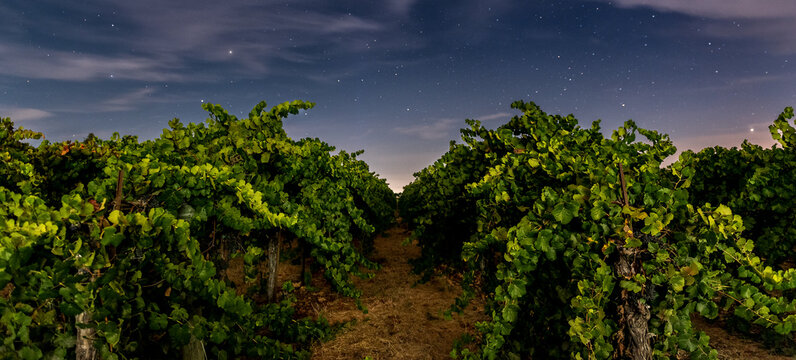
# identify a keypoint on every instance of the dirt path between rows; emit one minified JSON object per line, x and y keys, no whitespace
{"x":404,"y":320}
{"x":734,"y":347}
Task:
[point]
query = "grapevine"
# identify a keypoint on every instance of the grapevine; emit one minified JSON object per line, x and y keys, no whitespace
{"x":586,"y":242}
{"x":137,"y":234}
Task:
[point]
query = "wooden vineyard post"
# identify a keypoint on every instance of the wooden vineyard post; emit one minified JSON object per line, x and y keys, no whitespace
{"x":273,"y":264}
{"x":84,"y":344}
{"x":195,"y":350}
{"x":633,"y":335}
{"x":84,"y":347}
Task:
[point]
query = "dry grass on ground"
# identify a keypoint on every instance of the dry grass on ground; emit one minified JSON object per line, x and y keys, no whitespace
{"x":404,"y":319}
{"x":733,"y":347}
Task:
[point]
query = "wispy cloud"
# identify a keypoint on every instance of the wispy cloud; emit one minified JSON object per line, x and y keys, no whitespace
{"x":24,"y":114}
{"x":124,"y":101}
{"x":246,"y":40}
{"x":742,"y":82}
{"x":127,"y":101}
{"x":437,"y":129}
{"x":434,"y":130}
{"x":775,"y":34}
{"x":720,"y":9}
{"x":233,"y":38}
{"x":226,"y":39}
{"x":766,"y":22}
{"x":496,"y":116}
{"x":27,"y":62}
{"x":401,"y":7}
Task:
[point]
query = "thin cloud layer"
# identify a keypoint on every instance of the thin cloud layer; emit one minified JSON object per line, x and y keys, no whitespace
{"x":443,"y":128}
{"x":24,"y":114}
{"x":167,"y":45}
{"x":30,"y":63}
{"x":434,"y":130}
{"x":768,"y":22}
{"x":777,"y":35}
{"x":720,"y":9}
{"x":234,"y":39}
{"x":127,"y":101}
{"x":504,"y":116}
{"x":401,"y":7}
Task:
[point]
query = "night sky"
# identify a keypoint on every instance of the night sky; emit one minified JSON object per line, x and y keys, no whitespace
{"x":398,"y":77}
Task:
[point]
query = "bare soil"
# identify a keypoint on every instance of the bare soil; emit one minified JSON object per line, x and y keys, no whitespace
{"x":731,"y":346}
{"x":404,"y":320}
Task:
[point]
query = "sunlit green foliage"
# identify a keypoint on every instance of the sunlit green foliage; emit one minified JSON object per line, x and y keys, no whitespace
{"x":551,"y":223}
{"x":190,"y":199}
{"x":758,"y":184}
